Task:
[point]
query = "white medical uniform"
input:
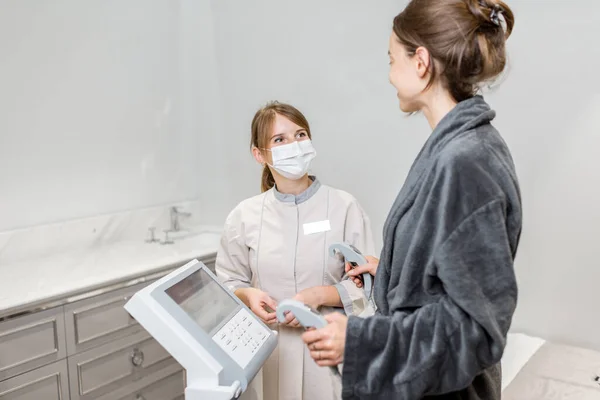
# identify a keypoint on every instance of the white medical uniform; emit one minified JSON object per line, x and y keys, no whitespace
{"x":279,"y":243}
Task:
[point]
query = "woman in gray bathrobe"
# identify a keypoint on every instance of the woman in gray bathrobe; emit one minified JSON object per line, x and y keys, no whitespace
{"x":445,"y":286}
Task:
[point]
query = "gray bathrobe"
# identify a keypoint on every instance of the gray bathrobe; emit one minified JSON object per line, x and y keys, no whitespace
{"x":445,"y":287}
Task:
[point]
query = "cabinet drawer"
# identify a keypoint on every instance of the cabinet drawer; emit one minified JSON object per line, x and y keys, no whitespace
{"x":99,"y":320}
{"x":31,"y":341}
{"x":45,"y":383}
{"x":137,"y":387}
{"x":104,"y":369}
{"x":171,"y":387}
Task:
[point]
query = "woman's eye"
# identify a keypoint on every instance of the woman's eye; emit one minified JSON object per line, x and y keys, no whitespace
{"x":301,"y":134}
{"x":278,"y":140}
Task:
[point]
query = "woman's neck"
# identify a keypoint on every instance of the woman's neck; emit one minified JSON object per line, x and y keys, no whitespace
{"x":439,"y":104}
{"x":290,"y":186}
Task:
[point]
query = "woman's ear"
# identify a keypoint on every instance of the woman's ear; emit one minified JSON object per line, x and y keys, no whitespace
{"x":423,"y":62}
{"x":258,"y":155}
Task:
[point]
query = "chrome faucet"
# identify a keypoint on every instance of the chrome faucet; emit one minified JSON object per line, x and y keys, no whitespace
{"x":175,"y":213}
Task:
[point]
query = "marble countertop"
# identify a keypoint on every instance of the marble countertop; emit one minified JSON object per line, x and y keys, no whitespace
{"x":26,"y":283}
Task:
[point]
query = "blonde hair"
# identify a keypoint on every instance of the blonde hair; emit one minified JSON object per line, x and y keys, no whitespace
{"x":262,"y":124}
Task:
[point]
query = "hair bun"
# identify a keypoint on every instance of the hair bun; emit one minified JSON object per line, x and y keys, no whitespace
{"x":492,"y":15}
{"x":469,"y":44}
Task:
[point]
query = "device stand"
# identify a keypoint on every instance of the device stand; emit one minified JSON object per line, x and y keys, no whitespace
{"x":201,"y":392}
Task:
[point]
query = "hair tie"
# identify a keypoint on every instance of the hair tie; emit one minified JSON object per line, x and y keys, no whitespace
{"x":495,"y":15}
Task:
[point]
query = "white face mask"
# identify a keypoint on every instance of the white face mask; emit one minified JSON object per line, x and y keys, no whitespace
{"x":293,"y":160}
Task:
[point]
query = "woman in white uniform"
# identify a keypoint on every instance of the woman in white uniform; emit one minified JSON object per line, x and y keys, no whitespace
{"x":275,"y":247}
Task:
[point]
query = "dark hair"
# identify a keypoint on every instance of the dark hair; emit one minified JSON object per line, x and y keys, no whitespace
{"x":262,"y":124}
{"x":465,"y":38}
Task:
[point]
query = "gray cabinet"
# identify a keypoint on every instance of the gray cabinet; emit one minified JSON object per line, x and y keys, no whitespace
{"x":46,"y":383}
{"x":168,"y":384}
{"x":90,"y":349}
{"x":171,"y":387}
{"x":31,"y":341}
{"x":104,"y":369}
{"x":99,"y":320}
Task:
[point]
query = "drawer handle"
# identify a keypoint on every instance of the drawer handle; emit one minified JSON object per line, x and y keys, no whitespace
{"x":137,"y":358}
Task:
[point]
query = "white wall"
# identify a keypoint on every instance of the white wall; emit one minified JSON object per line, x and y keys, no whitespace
{"x":550,"y":111}
{"x":329,"y":59}
{"x":112,"y":105}
{"x":104,"y":106}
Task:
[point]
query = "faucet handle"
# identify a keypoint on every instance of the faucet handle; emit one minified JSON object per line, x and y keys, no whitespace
{"x":151,"y":238}
{"x":167,"y":240}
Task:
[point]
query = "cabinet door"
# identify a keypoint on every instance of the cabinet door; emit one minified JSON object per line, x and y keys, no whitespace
{"x":104,"y":369}
{"x":31,"y":341}
{"x":100,"y":319}
{"x":171,"y":387}
{"x":46,"y":383}
{"x":145,"y":385}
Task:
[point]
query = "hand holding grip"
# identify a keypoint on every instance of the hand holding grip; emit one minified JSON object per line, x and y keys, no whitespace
{"x":305,"y":315}
{"x":355,"y":258}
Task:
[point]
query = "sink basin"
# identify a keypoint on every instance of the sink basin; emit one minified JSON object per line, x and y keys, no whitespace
{"x":185,"y":234}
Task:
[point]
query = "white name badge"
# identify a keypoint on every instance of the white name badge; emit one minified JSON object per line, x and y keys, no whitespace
{"x":317,"y":227}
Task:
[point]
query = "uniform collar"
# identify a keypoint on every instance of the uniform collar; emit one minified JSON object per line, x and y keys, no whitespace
{"x":302,"y":197}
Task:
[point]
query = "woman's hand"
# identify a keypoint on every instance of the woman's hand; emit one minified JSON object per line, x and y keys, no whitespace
{"x":312,"y":297}
{"x":260,"y":303}
{"x":356,"y":273}
{"x":327,"y":344}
